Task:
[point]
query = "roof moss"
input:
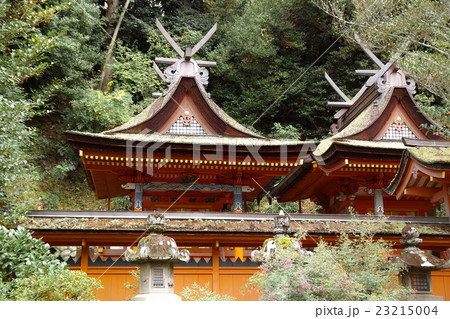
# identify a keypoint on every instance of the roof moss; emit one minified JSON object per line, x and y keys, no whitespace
{"x":431,"y":155}
{"x":225,"y":226}
{"x":364,"y":120}
{"x":157,"y":105}
{"x":190,"y":139}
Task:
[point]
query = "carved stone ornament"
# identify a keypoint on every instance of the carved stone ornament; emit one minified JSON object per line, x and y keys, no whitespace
{"x":170,"y":73}
{"x":203,"y":75}
{"x":417,"y":266}
{"x":282,"y":225}
{"x":156,"y":255}
{"x":156,"y":246}
{"x":413,"y":258}
{"x":382,"y":84}
{"x":411,"y":86}
{"x":281,"y":240}
{"x":156,"y":223}
{"x":186,"y":65}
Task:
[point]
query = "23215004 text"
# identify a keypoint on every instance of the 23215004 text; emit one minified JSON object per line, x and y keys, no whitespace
{"x":406,"y":310}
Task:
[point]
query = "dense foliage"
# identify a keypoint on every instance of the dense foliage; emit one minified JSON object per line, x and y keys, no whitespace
{"x":413,"y":33}
{"x":353,"y":269}
{"x":30,"y":271}
{"x":195,"y":292}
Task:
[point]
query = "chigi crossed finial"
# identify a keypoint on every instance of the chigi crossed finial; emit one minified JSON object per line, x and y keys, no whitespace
{"x":184,"y":66}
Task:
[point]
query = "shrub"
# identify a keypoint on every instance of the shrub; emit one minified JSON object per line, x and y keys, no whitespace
{"x":30,"y":271}
{"x":63,"y":285}
{"x":199,"y":293}
{"x":353,"y":269}
{"x":96,"y":111}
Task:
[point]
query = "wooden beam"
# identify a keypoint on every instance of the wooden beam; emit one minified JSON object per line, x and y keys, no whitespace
{"x":420,"y":192}
{"x":169,"y":38}
{"x":208,"y":64}
{"x":169,"y":61}
{"x":205,"y":38}
{"x":340,"y":104}
{"x":158,"y":71}
{"x":373,"y":79}
{"x":366,"y":72}
{"x":369,"y":52}
{"x":336,"y":88}
{"x":425,"y":143}
{"x":340,"y":113}
{"x":438,"y":196}
{"x":84,"y":256}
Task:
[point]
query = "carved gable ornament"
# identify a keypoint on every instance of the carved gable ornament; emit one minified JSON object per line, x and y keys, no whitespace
{"x":398,"y":130}
{"x":186,"y":124}
{"x":186,"y":65}
{"x":397,"y":78}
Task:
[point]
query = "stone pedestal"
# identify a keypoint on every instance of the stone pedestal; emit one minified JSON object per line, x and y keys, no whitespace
{"x":156,"y":253}
{"x":158,"y":297}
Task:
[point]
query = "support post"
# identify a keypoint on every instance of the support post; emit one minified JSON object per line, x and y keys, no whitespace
{"x":237,"y":204}
{"x":378,"y":202}
{"x":446,"y":199}
{"x":84,"y":256}
{"x":138,"y":197}
{"x":215,"y":268}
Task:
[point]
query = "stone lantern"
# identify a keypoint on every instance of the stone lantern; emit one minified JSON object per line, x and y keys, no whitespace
{"x":282,"y":230}
{"x":156,"y":254}
{"x":417,"y":266}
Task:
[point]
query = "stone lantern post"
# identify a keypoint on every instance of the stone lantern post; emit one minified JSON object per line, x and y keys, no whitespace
{"x":156,"y":253}
{"x":417,"y":266}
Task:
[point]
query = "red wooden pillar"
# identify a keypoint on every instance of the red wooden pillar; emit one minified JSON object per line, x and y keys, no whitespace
{"x":215,"y":268}
{"x":84,"y":256}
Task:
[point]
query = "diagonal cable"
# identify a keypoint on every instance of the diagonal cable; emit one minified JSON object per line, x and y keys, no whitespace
{"x":145,"y":231}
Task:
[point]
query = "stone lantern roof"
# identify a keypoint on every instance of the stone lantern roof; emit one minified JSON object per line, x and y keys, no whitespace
{"x":156,"y":247}
{"x":282,"y":230}
{"x":413,"y":258}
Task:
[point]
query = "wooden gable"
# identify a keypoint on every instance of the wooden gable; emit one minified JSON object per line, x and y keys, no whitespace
{"x":187,"y":104}
{"x":401,"y":118}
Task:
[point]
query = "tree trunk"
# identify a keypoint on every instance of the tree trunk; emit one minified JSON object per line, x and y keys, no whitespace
{"x":106,"y":74}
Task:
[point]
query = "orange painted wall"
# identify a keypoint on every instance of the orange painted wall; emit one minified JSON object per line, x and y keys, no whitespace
{"x":231,"y":280}
{"x":114,"y":280}
{"x":440,"y":281}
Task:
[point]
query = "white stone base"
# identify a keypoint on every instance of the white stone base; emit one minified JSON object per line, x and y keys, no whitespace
{"x":163,"y":297}
{"x":425,"y":297}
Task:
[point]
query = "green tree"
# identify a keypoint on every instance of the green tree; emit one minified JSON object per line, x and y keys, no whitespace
{"x":269,"y":70}
{"x":413,"y":33}
{"x":78,"y":53}
{"x":403,"y":31}
{"x":97,"y":111}
{"x":22,"y":57}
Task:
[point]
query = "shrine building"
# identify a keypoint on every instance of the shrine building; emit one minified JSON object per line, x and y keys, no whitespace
{"x":185,"y":157}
